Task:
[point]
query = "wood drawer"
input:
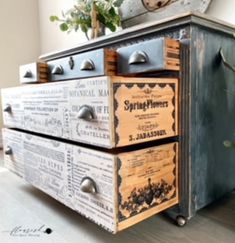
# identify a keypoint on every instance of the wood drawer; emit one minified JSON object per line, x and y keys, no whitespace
{"x":36,"y":72}
{"x":105,"y":111}
{"x":89,"y":64}
{"x":113,"y":190}
{"x":149,"y":56}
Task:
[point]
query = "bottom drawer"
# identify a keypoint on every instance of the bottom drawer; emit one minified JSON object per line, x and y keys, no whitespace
{"x":115,"y":190}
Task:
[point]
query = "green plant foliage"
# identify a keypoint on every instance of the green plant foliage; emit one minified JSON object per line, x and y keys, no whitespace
{"x":79,"y":16}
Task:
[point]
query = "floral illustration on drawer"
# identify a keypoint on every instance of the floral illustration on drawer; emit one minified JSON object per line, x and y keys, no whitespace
{"x":147,"y":180}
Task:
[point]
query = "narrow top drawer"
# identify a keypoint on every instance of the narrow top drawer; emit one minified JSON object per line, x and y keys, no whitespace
{"x":36,"y":72}
{"x":94,"y":63}
{"x":149,"y":56}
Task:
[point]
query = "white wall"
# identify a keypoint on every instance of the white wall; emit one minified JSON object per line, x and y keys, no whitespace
{"x":224,"y":10}
{"x":52,"y":38}
{"x":19,"y":39}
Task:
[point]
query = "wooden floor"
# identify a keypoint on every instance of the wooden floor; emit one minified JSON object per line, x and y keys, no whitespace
{"x":24,"y":207}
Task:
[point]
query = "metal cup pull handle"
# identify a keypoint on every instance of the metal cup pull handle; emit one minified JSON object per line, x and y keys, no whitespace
{"x":58,"y":70}
{"x":8,"y":150}
{"x":87,"y":65}
{"x":7,"y":108}
{"x":225,"y":62}
{"x":28,"y":74}
{"x":86,"y":113}
{"x":138,"y":57}
{"x":88,"y":185}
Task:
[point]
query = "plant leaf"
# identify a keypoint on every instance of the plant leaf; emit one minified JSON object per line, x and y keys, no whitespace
{"x":53,"y":18}
{"x":111,"y":26}
{"x":64,"y":27}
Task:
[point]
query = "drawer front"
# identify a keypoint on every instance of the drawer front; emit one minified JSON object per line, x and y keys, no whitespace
{"x":59,"y":110}
{"x":13,"y":151}
{"x":90,"y":64}
{"x":36,"y":72}
{"x":114,"y":191}
{"x":149,"y":56}
{"x":106,"y":111}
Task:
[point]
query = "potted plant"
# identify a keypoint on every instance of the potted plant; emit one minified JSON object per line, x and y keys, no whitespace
{"x":90,"y":14}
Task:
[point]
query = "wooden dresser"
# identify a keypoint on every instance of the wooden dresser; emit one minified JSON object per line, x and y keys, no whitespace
{"x":130,"y":124}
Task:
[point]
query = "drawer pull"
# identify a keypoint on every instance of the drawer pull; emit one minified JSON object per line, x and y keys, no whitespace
{"x":86,"y":112}
{"x":88,"y":185}
{"x":138,"y":57}
{"x":8,"y":151}
{"x":28,"y":74}
{"x":87,"y":65}
{"x":7,"y":108}
{"x":57,"y":70}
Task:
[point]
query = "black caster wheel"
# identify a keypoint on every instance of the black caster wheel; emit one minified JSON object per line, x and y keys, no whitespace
{"x":181,"y":221}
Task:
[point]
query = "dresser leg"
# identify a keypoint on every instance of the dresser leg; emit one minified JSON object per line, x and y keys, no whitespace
{"x":181,"y":220}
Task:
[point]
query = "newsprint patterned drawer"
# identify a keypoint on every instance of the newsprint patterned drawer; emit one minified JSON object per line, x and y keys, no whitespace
{"x":113,"y":190}
{"x":103,"y":111}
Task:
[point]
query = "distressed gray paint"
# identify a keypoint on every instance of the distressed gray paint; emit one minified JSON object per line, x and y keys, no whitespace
{"x":207,"y":109}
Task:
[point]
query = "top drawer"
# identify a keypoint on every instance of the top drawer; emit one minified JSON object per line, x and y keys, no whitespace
{"x":149,"y":56}
{"x":94,"y":63}
{"x":36,"y":72}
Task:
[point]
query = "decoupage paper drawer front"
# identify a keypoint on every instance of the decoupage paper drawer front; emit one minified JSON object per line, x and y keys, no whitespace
{"x":113,"y":190}
{"x":58,"y":169}
{"x":103,"y":111}
{"x":53,"y":109}
{"x":12,"y":141}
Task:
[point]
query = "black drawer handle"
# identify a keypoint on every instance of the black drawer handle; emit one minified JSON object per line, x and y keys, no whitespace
{"x":7,"y":108}
{"x":28,"y":74}
{"x":58,"y":70}
{"x":87,"y":65}
{"x":138,"y":57}
{"x":86,"y":113}
{"x":88,"y":185}
{"x":8,"y":150}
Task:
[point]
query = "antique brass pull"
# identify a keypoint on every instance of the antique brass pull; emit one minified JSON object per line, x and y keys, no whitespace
{"x":28,"y":74}
{"x":225,"y":62}
{"x":87,"y":65}
{"x":57,"y":70}
{"x":138,"y":57}
{"x":88,"y":185}
{"x":7,"y":108}
{"x":8,"y":150}
{"x":86,"y":112}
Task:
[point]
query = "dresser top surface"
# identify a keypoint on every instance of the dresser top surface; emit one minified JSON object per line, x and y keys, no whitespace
{"x":145,"y":29}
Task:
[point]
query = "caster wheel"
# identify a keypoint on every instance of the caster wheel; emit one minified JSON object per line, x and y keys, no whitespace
{"x":181,"y":221}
